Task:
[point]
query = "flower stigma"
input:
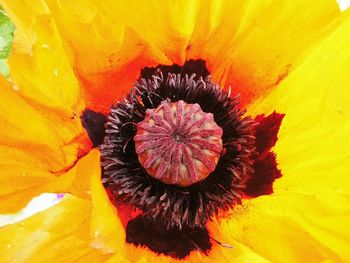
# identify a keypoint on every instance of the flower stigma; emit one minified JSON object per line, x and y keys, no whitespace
{"x":177,"y":143}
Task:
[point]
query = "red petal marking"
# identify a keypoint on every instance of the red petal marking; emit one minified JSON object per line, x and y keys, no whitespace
{"x":206,"y":145}
{"x":153,"y":128}
{"x":168,"y":115}
{"x":152,"y":144}
{"x":187,"y":159}
{"x":176,"y":160}
{"x":94,"y":123}
{"x":159,"y":121}
{"x":165,"y":162}
{"x":198,"y":154}
{"x":265,"y":165}
{"x":194,"y":109}
{"x":179,"y":114}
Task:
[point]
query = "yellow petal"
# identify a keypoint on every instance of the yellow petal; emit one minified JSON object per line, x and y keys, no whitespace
{"x":39,"y":67}
{"x":58,"y":234}
{"x":293,"y":227}
{"x":47,"y":136}
{"x":21,"y":179}
{"x":238,"y":253}
{"x":168,"y":30}
{"x":106,"y":229}
{"x":43,"y":101}
{"x":87,"y":230}
{"x":306,"y":218}
{"x":24,"y":177}
{"x":313,"y":145}
{"x":253,"y":45}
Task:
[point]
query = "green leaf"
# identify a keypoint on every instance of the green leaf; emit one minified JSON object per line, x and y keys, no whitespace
{"x":6,"y":36}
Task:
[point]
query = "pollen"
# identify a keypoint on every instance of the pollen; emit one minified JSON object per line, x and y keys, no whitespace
{"x":177,"y":143}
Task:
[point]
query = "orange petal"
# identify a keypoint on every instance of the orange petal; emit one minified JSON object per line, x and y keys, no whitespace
{"x":251,"y":51}
{"x":108,"y":58}
{"x":233,"y":37}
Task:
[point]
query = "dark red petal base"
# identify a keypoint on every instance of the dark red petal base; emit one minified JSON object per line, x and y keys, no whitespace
{"x":191,"y":66}
{"x":174,"y":243}
{"x":265,"y":166}
{"x":94,"y":124}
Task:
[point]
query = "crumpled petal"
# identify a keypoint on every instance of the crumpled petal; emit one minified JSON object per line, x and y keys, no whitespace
{"x":23,"y":177}
{"x":250,"y":45}
{"x":58,"y":234}
{"x":50,"y":137}
{"x":86,"y":229}
{"x":39,"y":66}
{"x":293,"y":227}
{"x":41,"y":101}
{"x":108,"y":58}
{"x":254,"y":45}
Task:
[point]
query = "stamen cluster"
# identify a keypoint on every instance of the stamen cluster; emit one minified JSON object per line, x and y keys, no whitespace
{"x":172,"y":201}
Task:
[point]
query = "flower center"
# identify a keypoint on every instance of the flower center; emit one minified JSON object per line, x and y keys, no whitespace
{"x":164,"y":154}
{"x":177,"y":143}
{"x":163,"y":129}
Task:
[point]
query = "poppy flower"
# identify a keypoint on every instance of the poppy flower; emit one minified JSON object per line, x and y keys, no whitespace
{"x":92,"y":84}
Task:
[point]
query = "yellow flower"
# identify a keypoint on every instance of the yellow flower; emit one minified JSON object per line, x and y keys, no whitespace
{"x":292,"y":57}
